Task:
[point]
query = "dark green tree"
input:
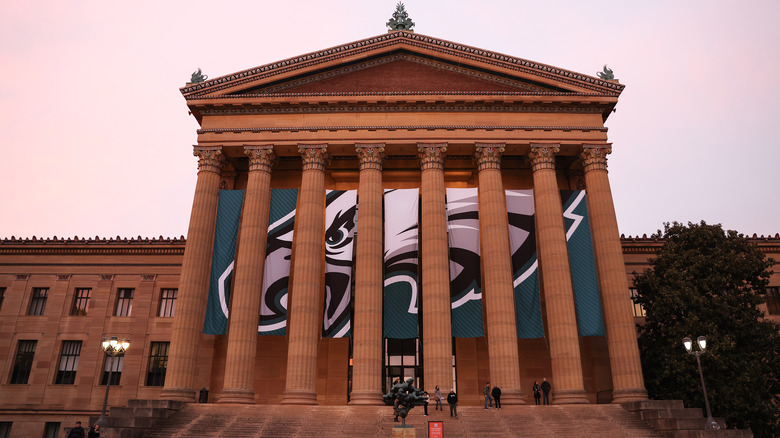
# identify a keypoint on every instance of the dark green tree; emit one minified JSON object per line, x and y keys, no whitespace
{"x":707,"y":281}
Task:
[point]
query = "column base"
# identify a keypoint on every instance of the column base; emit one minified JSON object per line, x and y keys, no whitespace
{"x":570,"y":397}
{"x":512,"y":397}
{"x":366,"y":398}
{"x":621,"y":396}
{"x":293,"y":397}
{"x":179,"y":394}
{"x":243,"y":396}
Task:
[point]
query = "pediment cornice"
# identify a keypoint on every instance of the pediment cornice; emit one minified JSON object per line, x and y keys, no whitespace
{"x":414,"y":43}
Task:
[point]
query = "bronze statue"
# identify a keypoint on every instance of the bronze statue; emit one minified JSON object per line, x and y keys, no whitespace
{"x":197,"y":77}
{"x":404,"y":397}
{"x":606,"y":74}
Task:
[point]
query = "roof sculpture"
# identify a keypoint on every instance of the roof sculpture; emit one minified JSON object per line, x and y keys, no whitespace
{"x":400,"y":20}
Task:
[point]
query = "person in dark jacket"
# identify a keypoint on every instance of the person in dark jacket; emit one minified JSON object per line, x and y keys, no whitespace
{"x":537,"y":392}
{"x":94,"y":431}
{"x":546,"y":387}
{"x":76,"y":432}
{"x":452,"y":400}
{"x":496,"y":393}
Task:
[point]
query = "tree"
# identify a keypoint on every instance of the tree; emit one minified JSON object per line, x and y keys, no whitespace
{"x":707,"y":281}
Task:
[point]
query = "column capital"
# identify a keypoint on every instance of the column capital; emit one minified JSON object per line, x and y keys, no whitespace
{"x":431,"y":155}
{"x":210,"y":158}
{"x":371,"y":155}
{"x":488,"y":155}
{"x":542,"y":155}
{"x":594,"y":156}
{"x":261,"y":158}
{"x":315,"y":156}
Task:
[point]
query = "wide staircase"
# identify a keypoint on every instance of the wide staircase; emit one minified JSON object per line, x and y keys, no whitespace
{"x":215,"y":420}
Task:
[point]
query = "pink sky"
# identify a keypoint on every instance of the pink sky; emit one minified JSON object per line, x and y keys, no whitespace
{"x":96,"y":139}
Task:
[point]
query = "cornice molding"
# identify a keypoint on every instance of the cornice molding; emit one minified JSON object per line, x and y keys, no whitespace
{"x":410,"y":39}
{"x":407,"y":128}
{"x":411,"y":106}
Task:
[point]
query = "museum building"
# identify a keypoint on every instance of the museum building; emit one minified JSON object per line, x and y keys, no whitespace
{"x":395,"y":207}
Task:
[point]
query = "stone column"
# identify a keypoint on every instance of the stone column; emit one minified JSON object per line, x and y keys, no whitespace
{"x":627,"y":380}
{"x":436,"y":307}
{"x":194,"y":279}
{"x":367,"y":335}
{"x":304,"y":309}
{"x":248,"y":283}
{"x":568,"y":386}
{"x":498,"y":291}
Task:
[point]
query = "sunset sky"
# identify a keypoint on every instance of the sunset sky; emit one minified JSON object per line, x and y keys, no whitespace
{"x":96,"y":139}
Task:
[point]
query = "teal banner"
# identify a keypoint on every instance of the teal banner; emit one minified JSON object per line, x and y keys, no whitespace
{"x":465,"y":280}
{"x":582,"y":263}
{"x":525,"y":267}
{"x":400,"y":310}
{"x":276,"y":275}
{"x":222,"y":260}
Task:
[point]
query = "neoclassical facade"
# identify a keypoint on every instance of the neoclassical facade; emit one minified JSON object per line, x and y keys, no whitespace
{"x":399,"y":111}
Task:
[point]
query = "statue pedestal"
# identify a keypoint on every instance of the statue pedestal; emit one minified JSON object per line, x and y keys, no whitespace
{"x":403,"y":432}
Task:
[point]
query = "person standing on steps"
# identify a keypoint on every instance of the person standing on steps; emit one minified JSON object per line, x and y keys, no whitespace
{"x":94,"y":431}
{"x":546,"y":387}
{"x":437,"y":397}
{"x":496,"y":393}
{"x":452,"y":400}
{"x":488,"y":398}
{"x":426,"y":399}
{"x":537,"y":392}
{"x":77,"y":432}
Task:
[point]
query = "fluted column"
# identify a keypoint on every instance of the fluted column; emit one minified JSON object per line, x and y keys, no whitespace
{"x":568,"y":386}
{"x":437,"y":325}
{"x":627,"y":380}
{"x":497,"y":290}
{"x":304,"y":309}
{"x":367,"y":335}
{"x":194,"y":279}
{"x":248,"y":283}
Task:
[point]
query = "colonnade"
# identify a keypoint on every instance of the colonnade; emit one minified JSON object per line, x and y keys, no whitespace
{"x":306,"y":296}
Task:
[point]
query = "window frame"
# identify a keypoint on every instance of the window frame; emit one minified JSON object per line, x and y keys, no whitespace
{"x":158,"y":363}
{"x":80,"y":302}
{"x":167,"y":308}
{"x":38,"y":298}
{"x":124,"y":305}
{"x":638,"y":309}
{"x":772,"y":295}
{"x":25,"y":356}
{"x":70,"y":352}
{"x":116,"y":362}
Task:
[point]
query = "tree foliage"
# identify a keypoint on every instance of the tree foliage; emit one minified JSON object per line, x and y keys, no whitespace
{"x":707,"y":281}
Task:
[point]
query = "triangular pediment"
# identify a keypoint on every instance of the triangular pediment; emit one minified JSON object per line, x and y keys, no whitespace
{"x":401,"y":62}
{"x":399,"y":73}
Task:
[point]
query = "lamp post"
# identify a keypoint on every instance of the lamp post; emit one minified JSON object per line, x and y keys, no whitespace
{"x":688,"y":344}
{"x":113,"y":349}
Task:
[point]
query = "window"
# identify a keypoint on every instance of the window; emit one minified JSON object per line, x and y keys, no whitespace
{"x":80,"y":301}
{"x":167,"y":302}
{"x":773,"y":300}
{"x":2,"y":295}
{"x":69,"y":362}
{"x":124,"y":302}
{"x":23,"y":363}
{"x":38,"y":302}
{"x":113,"y":366}
{"x":639,"y":311}
{"x":158,"y":363}
{"x":5,"y":429}
{"x":52,"y":430}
